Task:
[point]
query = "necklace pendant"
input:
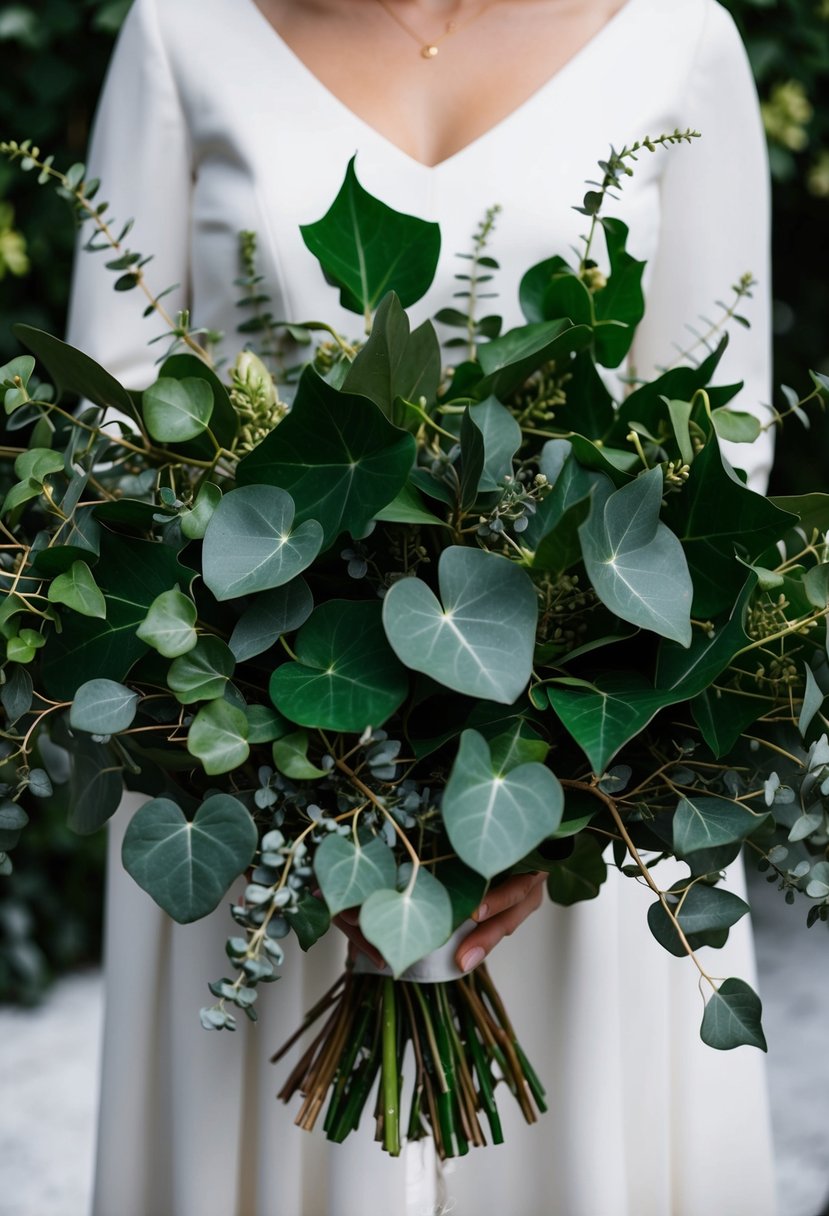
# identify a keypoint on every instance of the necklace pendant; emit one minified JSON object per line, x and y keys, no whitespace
{"x":429,"y":51}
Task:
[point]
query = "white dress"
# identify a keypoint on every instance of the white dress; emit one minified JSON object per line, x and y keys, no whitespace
{"x":210,"y":124}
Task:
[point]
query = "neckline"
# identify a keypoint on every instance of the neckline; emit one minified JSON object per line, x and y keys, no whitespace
{"x":592,"y":43}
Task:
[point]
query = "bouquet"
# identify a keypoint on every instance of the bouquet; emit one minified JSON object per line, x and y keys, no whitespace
{"x":376,"y":632}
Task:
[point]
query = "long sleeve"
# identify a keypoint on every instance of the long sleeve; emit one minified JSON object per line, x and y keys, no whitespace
{"x":715,"y":228}
{"x":140,"y":151}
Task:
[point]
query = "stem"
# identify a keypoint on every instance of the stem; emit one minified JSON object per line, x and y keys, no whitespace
{"x":391,"y":1095}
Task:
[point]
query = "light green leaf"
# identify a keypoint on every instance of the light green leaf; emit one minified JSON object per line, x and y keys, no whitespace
{"x":480,"y":640}
{"x":703,"y":821}
{"x":38,"y":463}
{"x":78,"y":590}
{"x":251,"y":543}
{"x":218,"y":737}
{"x":265,"y":724}
{"x":177,"y":410}
{"x":203,"y":672}
{"x":103,"y":707}
{"x":348,"y":873}
{"x":347,"y":676}
{"x":194,"y":522}
{"x":405,"y":926}
{"x":188,"y":867}
{"x":367,"y":248}
{"x":635,"y":562}
{"x":733,"y":1017}
{"x":408,"y":508}
{"x":290,"y":755}
{"x":269,"y":616}
{"x":169,"y":624}
{"x":493,"y":819}
{"x":735,"y":426}
{"x":813,"y":698}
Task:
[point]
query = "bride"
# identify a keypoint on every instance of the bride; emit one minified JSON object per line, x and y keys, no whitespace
{"x":226,"y":115}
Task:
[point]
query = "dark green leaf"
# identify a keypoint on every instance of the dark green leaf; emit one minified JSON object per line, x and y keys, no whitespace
{"x":269,"y":616}
{"x":579,"y":876}
{"x":732,"y":1017}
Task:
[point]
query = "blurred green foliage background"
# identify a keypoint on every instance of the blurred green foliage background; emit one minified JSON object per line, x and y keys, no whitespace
{"x":54,"y":56}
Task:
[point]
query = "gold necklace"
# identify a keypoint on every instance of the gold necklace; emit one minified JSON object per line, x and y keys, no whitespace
{"x":429,"y":50}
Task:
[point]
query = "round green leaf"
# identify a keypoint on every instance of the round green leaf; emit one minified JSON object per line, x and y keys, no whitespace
{"x":194,"y":522}
{"x":203,"y":672}
{"x":218,"y":736}
{"x":405,"y":926}
{"x":269,"y":616}
{"x":169,"y":624}
{"x":78,"y":590}
{"x":495,"y":818}
{"x":188,"y":867}
{"x":176,"y":410}
{"x":480,"y":640}
{"x":103,"y":707}
{"x":250,"y":543}
{"x":348,"y":873}
{"x":347,"y":677}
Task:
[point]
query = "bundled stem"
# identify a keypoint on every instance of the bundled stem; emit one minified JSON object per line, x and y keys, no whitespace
{"x":462,"y":1044}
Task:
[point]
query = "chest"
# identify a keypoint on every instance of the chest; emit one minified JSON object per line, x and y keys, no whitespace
{"x":477,"y":69}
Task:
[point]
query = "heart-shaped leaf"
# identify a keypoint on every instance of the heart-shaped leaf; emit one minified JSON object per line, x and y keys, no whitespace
{"x":702,"y":821}
{"x":203,"y":672}
{"x":218,"y":736}
{"x":367,"y":248}
{"x":290,"y":755}
{"x":251,"y":543}
{"x":336,"y":454}
{"x":635,"y":562}
{"x":495,"y":818}
{"x":77,"y":589}
{"x":269,"y":616}
{"x":733,"y":1017}
{"x":347,"y":676}
{"x":194,"y":522}
{"x":169,"y":626}
{"x":395,"y":363}
{"x":703,"y":913}
{"x":103,"y":707}
{"x":348,"y":873}
{"x":188,"y":867}
{"x":580,"y":875}
{"x":604,"y":715}
{"x":176,"y":410}
{"x":405,"y":926}
{"x":480,"y":640}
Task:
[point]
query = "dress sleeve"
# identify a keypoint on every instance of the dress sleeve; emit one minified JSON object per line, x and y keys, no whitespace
{"x":140,"y":151}
{"x":715,"y":227}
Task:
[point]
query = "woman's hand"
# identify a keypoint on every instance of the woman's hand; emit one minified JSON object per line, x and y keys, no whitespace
{"x":505,"y":907}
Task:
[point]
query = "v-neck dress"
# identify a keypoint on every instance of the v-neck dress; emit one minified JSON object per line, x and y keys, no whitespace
{"x":209,"y":124}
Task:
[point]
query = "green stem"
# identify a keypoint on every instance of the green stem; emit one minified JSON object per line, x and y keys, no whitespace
{"x":391,"y":1093}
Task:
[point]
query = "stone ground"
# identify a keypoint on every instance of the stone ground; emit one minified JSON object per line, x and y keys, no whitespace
{"x":49,"y":1077}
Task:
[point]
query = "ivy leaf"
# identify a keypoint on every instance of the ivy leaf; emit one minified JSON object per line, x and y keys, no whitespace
{"x":103,"y":707}
{"x":309,"y":920}
{"x":218,"y":737}
{"x":408,"y":508}
{"x":635,"y":563}
{"x":366,"y":248}
{"x":188,"y":867}
{"x":494,"y":818}
{"x":346,"y":676}
{"x":703,"y":821}
{"x":169,"y":626}
{"x":177,"y":410}
{"x":16,"y":693}
{"x":620,"y":300}
{"x":96,"y":786}
{"x":480,"y":639}
{"x":509,"y":360}
{"x":604,"y":715}
{"x":348,"y":873}
{"x":72,"y":371}
{"x":733,"y":1017}
{"x":706,"y":912}
{"x":395,"y":363}
{"x":813,"y":698}
{"x":251,"y":544}
{"x":77,"y":589}
{"x":336,"y":455}
{"x":203,"y":672}
{"x":580,"y":875}
{"x":269,"y":616}
{"x":405,"y":926}
{"x":290,"y":755}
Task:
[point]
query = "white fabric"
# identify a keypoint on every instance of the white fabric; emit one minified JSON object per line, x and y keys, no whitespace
{"x":208,"y":125}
